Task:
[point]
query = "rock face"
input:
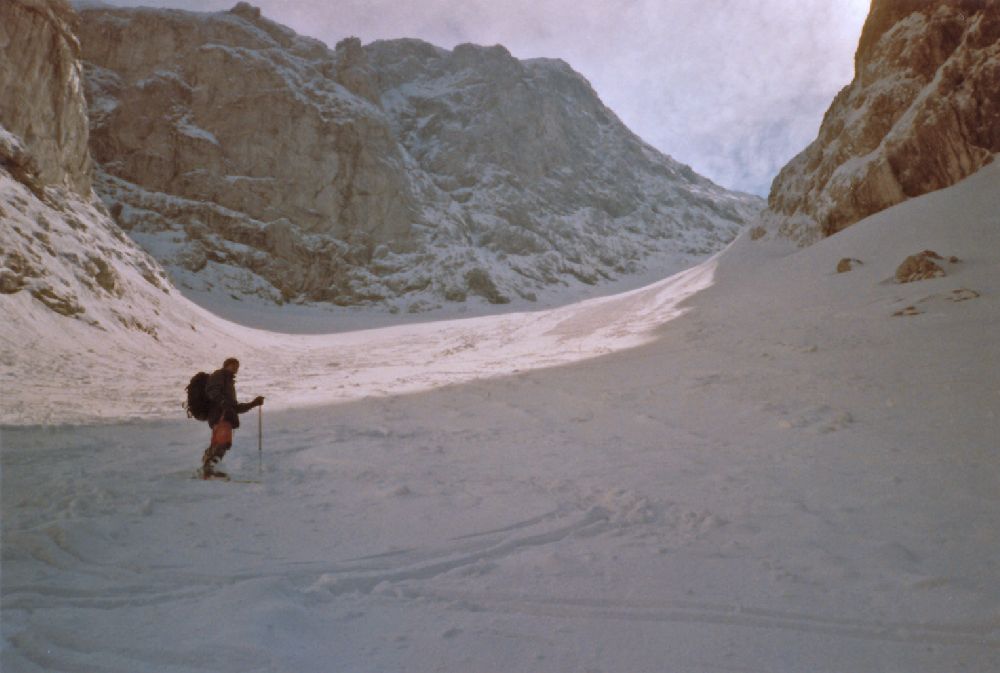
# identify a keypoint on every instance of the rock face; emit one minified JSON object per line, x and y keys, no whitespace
{"x":58,"y":244}
{"x":922,"y":113}
{"x":255,"y":161}
{"x":42,"y":102}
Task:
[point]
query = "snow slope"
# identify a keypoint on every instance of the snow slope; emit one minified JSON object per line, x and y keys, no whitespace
{"x":130,"y":351}
{"x":772,"y":474}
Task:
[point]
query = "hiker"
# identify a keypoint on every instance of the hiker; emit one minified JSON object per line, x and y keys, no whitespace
{"x":223,"y":416}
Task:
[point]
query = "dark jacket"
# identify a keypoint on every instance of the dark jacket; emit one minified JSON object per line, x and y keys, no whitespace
{"x":221,"y":391}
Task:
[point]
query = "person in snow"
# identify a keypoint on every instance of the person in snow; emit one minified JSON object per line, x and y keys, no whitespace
{"x":223,"y":417}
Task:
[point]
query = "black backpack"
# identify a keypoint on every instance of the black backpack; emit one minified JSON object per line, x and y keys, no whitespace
{"x":198,"y":405}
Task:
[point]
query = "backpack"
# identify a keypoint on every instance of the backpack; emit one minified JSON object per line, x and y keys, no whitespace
{"x":198,"y":405}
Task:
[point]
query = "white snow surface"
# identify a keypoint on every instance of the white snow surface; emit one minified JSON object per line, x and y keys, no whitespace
{"x":749,"y":466}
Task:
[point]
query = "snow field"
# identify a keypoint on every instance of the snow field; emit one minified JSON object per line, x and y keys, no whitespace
{"x":781,"y":476}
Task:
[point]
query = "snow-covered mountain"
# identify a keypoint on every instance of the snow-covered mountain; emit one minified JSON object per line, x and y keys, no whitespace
{"x":758,"y":464}
{"x":922,"y":113}
{"x":251,"y":160}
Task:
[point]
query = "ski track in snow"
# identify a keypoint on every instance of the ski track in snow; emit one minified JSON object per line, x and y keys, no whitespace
{"x":400,"y":575}
{"x":406,"y":577}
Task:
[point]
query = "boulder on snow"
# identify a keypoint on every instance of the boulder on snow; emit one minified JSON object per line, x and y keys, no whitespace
{"x":962,"y":294}
{"x":920,"y":266}
{"x":846,"y":264}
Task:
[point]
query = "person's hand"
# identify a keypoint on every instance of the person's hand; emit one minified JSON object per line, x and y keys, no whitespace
{"x":258,"y":401}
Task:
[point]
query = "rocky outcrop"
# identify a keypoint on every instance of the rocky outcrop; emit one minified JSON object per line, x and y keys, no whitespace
{"x":237,"y":111}
{"x":921,"y":266}
{"x":42,"y":102}
{"x":255,"y":161}
{"x":847,"y":264}
{"x":58,"y":245}
{"x":922,"y":113}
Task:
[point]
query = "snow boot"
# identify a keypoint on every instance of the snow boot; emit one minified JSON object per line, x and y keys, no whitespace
{"x":208,"y":470}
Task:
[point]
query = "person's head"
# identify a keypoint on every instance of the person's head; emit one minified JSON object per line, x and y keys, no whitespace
{"x":231,"y":364}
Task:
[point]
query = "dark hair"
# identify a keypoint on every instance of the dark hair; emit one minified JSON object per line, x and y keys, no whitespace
{"x":230,"y":361}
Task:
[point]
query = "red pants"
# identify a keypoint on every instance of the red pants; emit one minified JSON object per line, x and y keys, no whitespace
{"x":222,"y":439}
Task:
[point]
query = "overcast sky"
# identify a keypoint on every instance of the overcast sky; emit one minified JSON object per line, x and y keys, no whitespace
{"x":735,"y":88}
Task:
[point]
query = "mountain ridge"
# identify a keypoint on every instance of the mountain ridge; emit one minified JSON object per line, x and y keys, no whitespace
{"x":412,"y":175}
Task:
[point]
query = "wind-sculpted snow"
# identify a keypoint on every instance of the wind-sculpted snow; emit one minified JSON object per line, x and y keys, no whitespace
{"x":258,"y":163}
{"x":781,"y":476}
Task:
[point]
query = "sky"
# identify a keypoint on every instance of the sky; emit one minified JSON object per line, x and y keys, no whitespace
{"x":734,"y":88}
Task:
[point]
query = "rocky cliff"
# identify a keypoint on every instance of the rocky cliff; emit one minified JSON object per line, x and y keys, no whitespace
{"x":922,"y":112}
{"x":61,"y":255}
{"x":42,"y":103}
{"x":251,"y":160}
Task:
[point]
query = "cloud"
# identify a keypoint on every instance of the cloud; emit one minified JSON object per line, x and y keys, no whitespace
{"x":734,"y":88}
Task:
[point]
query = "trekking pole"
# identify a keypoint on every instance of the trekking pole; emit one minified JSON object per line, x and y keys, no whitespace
{"x":260,"y":439}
